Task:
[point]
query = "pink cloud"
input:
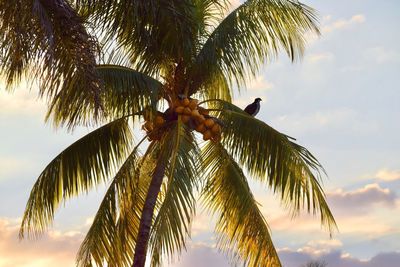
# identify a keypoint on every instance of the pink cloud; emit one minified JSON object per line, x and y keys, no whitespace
{"x":206,"y":256}
{"x":53,"y":249}
{"x":361,"y":199}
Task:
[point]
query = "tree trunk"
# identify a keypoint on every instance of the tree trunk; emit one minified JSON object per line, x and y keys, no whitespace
{"x":147,"y":214}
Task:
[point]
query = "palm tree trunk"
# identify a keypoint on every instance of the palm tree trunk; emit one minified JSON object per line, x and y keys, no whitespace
{"x":147,"y":214}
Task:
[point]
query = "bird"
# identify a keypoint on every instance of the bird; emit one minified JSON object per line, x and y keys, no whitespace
{"x":254,"y":107}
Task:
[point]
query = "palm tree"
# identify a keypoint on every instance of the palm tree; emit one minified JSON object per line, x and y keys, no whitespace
{"x":172,"y":64}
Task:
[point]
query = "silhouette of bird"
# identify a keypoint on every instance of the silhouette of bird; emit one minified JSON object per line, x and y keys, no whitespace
{"x":254,"y":107}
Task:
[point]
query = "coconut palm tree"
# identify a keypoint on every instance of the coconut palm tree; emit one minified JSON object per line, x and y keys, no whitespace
{"x":172,"y":66}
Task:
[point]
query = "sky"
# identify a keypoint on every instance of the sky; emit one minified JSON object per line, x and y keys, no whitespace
{"x":341,"y":101}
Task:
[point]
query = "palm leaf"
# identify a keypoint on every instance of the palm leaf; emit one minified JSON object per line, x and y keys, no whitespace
{"x":288,"y":168}
{"x":116,"y":223}
{"x":48,"y":41}
{"x":127,"y":91}
{"x":172,"y":223}
{"x":250,"y":35}
{"x":242,"y":229}
{"x":154,"y":33}
{"x":84,"y":164}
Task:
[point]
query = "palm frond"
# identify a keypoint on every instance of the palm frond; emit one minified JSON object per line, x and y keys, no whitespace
{"x":250,"y":35}
{"x":177,"y":203}
{"x":116,"y":223}
{"x":210,"y":13}
{"x":48,"y":41}
{"x":153,"y":32}
{"x":242,"y":229}
{"x":127,"y":91}
{"x":77,"y":169}
{"x":289,"y":169}
{"x":217,"y":87}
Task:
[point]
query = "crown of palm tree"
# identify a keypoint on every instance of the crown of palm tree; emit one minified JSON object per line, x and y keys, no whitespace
{"x":175,"y":51}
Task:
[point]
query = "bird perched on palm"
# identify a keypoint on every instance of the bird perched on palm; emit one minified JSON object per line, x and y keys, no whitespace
{"x":254,"y":107}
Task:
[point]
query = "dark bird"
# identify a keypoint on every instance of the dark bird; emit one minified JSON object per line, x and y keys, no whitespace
{"x":254,"y":107}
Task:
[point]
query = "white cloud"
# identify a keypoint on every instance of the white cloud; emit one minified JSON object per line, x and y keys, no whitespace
{"x":260,"y":84}
{"x":10,"y":166}
{"x":20,"y":102}
{"x":342,"y":119}
{"x":320,"y":57}
{"x":202,"y":223}
{"x":320,"y":247}
{"x":343,"y":23}
{"x":382,"y":55}
{"x":388,"y":175}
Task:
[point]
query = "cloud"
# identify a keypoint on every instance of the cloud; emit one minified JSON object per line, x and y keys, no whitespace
{"x":53,"y":249}
{"x":257,"y":87}
{"x":382,"y":55}
{"x":20,"y":102}
{"x":320,"y":57}
{"x":11,"y":167}
{"x":342,"y":120}
{"x":204,"y":255}
{"x":388,"y":175}
{"x":260,"y":84}
{"x":291,"y":258}
{"x":201,"y":255}
{"x":343,"y":23}
{"x":361,"y":200}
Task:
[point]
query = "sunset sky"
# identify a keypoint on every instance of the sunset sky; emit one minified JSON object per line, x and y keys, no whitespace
{"x":342,"y":102}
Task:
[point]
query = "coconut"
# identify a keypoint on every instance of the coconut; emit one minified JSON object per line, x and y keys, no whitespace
{"x":209,"y":123}
{"x":193,"y":104}
{"x":185,"y":118}
{"x":185,"y":102}
{"x":201,"y":128}
{"x":179,"y":109}
{"x":187,"y":111}
{"x":176,"y":103}
{"x":207,"y":135}
{"x":148,"y":126}
{"x":159,"y":121}
{"x":200,"y":119}
{"x":195,"y":113}
{"x":216,"y":129}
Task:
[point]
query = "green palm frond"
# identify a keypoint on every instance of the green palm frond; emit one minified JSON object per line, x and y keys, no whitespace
{"x":127,"y":91}
{"x":217,"y":87}
{"x":210,"y":13}
{"x":48,"y":41}
{"x":172,"y":223}
{"x":153,"y":32}
{"x":288,"y":168}
{"x":242,"y":229}
{"x":116,"y":223}
{"x":77,"y":169}
{"x":250,"y":35}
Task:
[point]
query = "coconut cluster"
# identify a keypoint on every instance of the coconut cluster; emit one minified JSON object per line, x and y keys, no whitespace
{"x":154,"y":128}
{"x":194,"y":116}
{"x":197,"y":118}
